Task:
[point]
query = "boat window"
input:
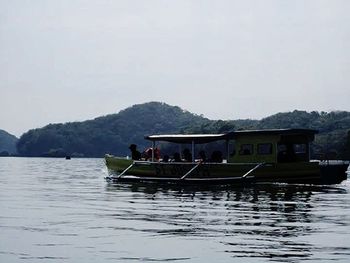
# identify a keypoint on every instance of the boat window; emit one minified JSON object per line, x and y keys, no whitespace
{"x":246,"y":149}
{"x":265,"y":148}
{"x":299,"y":148}
{"x":282,"y":148}
{"x":301,"y":152}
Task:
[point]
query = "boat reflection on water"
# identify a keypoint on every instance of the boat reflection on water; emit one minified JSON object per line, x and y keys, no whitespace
{"x":273,"y":222}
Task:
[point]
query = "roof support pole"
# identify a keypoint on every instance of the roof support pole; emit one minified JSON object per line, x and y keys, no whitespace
{"x":193,"y":151}
{"x":227,"y":150}
{"x":276,"y":152}
{"x":153,"y":147}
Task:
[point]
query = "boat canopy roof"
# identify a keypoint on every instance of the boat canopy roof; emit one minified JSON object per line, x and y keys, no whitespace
{"x":189,"y":138}
{"x":206,"y":138}
{"x":305,"y":132}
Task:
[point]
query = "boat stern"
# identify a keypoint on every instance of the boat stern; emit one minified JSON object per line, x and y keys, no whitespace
{"x":333,"y":172}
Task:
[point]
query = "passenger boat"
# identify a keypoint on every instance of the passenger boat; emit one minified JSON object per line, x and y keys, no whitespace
{"x":278,"y":155}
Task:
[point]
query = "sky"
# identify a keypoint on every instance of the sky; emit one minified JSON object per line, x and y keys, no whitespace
{"x":73,"y":60}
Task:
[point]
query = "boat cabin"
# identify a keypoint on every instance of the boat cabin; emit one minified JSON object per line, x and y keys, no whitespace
{"x":272,"y":146}
{"x":252,"y":146}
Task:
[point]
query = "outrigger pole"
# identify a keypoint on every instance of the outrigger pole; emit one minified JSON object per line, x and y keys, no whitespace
{"x":252,"y":170}
{"x":190,"y":171}
{"x":127,"y":169}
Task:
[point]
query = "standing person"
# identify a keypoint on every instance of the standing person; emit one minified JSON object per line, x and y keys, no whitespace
{"x":135,"y":154}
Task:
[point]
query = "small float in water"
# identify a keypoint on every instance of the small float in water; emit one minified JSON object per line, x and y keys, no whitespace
{"x":278,"y":155}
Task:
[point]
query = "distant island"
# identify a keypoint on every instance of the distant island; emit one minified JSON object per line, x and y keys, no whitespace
{"x":114,"y":133}
{"x":7,"y":144}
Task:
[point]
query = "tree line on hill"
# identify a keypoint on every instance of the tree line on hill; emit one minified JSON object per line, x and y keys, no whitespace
{"x":114,"y":133}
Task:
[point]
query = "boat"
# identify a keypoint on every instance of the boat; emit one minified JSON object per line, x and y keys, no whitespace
{"x":274,"y":155}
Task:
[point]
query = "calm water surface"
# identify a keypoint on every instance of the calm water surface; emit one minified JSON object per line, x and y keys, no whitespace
{"x":56,"y":210}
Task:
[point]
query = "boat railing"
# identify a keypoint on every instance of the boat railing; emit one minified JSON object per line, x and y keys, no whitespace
{"x":331,"y":162}
{"x":195,"y":163}
{"x":135,"y":163}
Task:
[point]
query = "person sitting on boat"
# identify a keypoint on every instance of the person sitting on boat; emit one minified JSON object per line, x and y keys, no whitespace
{"x":148,"y":153}
{"x":135,"y":154}
{"x":202,"y":156}
{"x":187,"y":155}
{"x":216,"y":157}
{"x":165,"y":158}
{"x":177,"y":157}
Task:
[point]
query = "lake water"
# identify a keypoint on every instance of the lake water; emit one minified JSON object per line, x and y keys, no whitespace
{"x":56,"y":210}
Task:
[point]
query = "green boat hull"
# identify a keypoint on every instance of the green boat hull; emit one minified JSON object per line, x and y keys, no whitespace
{"x":126,"y":170}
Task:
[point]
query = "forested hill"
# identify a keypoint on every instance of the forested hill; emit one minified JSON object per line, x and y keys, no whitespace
{"x":109,"y":134}
{"x":114,"y":133}
{"x":7,"y":143}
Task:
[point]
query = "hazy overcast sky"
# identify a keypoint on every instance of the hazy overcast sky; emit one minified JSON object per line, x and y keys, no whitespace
{"x":69,"y":60}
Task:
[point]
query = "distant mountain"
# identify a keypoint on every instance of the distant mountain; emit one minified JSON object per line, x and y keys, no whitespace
{"x":7,"y":143}
{"x":114,"y":133}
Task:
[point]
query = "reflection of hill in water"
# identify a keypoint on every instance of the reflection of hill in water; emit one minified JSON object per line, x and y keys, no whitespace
{"x":277,"y":222}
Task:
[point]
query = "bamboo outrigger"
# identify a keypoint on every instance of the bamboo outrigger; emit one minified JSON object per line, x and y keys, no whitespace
{"x":281,"y":155}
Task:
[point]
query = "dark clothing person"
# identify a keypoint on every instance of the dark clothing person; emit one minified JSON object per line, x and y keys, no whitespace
{"x":166,"y":158}
{"x":216,"y":157}
{"x":202,"y":156}
{"x":177,"y":157}
{"x":187,"y":155}
{"x":135,"y":154}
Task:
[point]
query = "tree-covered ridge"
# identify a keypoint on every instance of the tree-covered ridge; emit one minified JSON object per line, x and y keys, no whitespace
{"x":7,"y":143}
{"x":114,"y":133}
{"x":108,"y":134}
